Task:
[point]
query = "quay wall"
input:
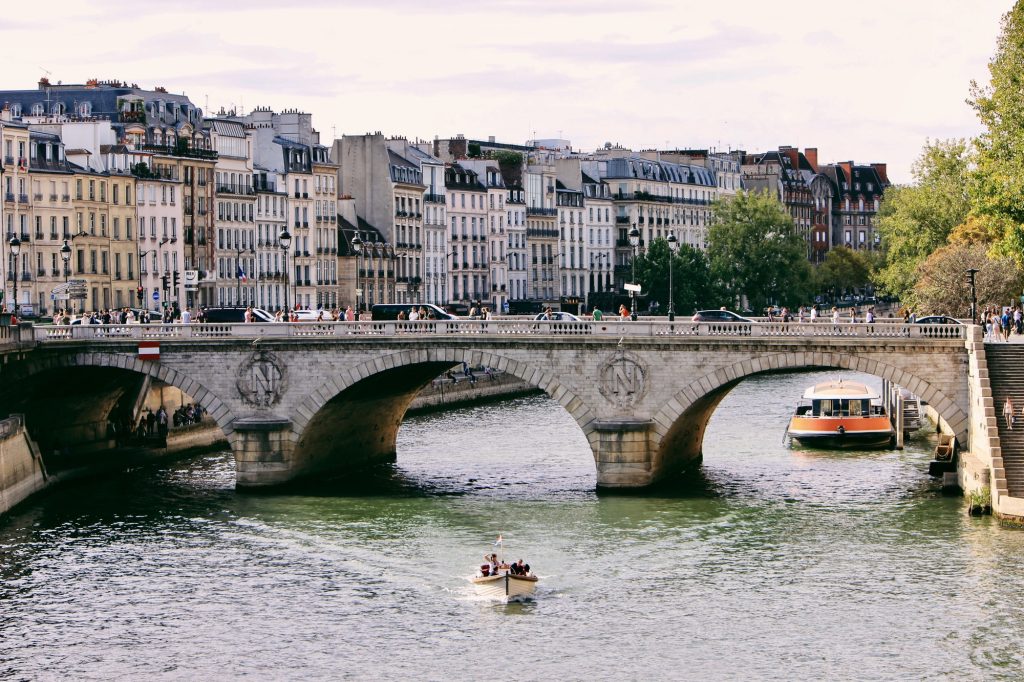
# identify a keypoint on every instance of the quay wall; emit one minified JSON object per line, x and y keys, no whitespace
{"x":22,"y":472}
{"x":443,"y":394}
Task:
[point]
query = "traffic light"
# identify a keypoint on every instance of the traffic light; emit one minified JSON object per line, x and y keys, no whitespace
{"x":175,"y":279}
{"x":163,"y":280}
{"x":140,"y":294}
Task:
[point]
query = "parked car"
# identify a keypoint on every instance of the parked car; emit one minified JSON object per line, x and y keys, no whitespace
{"x":558,"y":316}
{"x":389,"y":311}
{"x":235,"y":314}
{"x":937,"y":319}
{"x":719,"y":316}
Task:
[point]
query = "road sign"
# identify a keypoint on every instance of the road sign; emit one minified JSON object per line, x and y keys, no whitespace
{"x":59,"y":297}
{"x":633,"y":287}
{"x":156,"y":295}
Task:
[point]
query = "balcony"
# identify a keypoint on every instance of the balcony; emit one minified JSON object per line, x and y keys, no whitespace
{"x":8,"y":196}
{"x":434,"y":198}
{"x":41,"y":272}
{"x":65,"y":198}
{"x":22,"y":198}
{"x":183,"y":151}
{"x":9,"y":160}
{"x":530,"y":210}
{"x":26,"y":277}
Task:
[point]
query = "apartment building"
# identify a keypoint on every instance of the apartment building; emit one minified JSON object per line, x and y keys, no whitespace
{"x":234,"y":213}
{"x":325,"y":225}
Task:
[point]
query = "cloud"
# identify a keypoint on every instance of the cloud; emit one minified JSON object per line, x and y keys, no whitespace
{"x":683,"y":52}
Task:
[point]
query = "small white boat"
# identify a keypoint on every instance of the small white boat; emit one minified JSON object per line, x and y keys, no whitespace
{"x":505,"y":582}
{"x":505,"y":586}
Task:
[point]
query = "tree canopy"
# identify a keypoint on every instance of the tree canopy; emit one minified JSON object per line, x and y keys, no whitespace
{"x":916,"y":220}
{"x":844,"y":269}
{"x":755,"y":252}
{"x":997,"y":187}
{"x":942,"y":287}
{"x":691,"y":278}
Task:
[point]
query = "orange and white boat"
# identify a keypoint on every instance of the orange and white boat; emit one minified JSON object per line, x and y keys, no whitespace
{"x":841,"y":414}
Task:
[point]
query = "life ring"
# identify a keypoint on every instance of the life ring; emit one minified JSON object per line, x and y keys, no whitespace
{"x":841,"y":430}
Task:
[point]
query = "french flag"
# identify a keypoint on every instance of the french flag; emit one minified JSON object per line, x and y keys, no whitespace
{"x":241,"y":274}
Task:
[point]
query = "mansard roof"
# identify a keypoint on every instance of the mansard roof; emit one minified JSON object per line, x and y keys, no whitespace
{"x":642,"y":168}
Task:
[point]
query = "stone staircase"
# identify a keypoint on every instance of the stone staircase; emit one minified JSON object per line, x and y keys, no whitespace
{"x":1006,"y":376}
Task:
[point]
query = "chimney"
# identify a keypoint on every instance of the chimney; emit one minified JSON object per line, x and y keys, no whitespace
{"x":881,"y":170}
{"x":490,"y":138}
{"x":812,"y":157}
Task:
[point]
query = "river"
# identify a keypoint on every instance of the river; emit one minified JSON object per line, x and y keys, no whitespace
{"x":770,"y":563}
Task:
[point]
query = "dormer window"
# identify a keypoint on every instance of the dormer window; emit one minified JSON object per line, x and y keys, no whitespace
{"x":16,"y":111}
{"x":37,"y":109}
{"x":84,"y":109}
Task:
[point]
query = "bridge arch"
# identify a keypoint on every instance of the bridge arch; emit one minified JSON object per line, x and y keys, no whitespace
{"x":680,"y":424}
{"x":315,"y":421}
{"x":211,"y":403}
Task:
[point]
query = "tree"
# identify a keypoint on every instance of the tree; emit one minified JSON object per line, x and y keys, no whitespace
{"x":844,"y":269}
{"x":755,"y":252}
{"x":997,"y":189}
{"x":691,"y":277}
{"x":916,"y":220}
{"x":942,"y":286}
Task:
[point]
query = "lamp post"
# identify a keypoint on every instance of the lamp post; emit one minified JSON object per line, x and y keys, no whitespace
{"x":673,"y":248}
{"x":634,"y":241}
{"x":65,"y":255}
{"x":15,"y":245}
{"x":974,"y":295}
{"x":357,"y":248}
{"x":286,"y":241}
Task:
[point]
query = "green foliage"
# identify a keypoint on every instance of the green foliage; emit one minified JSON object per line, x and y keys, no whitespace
{"x":942,"y":287}
{"x":474,"y":150}
{"x":844,"y":270}
{"x":508,"y":158}
{"x":916,"y":220}
{"x":141,"y":170}
{"x":997,"y":187}
{"x":755,"y":252}
{"x":691,"y":277}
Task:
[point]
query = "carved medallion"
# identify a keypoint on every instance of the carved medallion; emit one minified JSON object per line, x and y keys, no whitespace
{"x":261,"y":379}
{"x":623,"y":379}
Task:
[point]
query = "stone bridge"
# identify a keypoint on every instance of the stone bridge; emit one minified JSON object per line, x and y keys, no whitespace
{"x":295,"y":400}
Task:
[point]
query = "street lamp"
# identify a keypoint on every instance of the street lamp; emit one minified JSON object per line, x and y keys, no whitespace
{"x":357,"y":248}
{"x":286,"y":241}
{"x":974,"y":295}
{"x":673,"y":248}
{"x":65,"y":255}
{"x":15,"y":245}
{"x":634,"y":241}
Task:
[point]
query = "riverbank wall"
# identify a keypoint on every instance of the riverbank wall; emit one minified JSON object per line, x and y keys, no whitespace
{"x":459,"y":390}
{"x":22,"y":472}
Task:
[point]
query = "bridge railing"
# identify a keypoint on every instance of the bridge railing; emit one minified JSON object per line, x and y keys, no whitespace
{"x":404,"y":328}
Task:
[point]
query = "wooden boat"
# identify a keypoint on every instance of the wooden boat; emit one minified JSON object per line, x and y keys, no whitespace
{"x":841,"y":414}
{"x":505,"y":586}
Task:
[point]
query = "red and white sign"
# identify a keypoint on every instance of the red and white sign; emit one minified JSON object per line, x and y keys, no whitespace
{"x":149,"y":350}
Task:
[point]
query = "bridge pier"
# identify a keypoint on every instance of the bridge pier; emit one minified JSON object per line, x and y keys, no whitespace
{"x":263,"y":447}
{"x":623,"y":453}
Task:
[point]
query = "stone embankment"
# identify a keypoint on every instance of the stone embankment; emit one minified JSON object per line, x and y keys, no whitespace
{"x":22,"y":472}
{"x":458,"y":390}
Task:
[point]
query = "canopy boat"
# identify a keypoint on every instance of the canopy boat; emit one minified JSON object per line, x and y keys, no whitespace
{"x":841,"y":414}
{"x":503,"y":581}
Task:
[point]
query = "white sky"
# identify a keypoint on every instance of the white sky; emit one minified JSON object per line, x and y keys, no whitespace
{"x":863,"y":81}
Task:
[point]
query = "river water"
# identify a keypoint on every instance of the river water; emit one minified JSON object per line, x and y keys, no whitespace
{"x":770,"y":563}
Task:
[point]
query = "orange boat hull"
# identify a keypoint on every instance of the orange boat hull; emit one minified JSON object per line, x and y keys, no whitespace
{"x":842,"y":432}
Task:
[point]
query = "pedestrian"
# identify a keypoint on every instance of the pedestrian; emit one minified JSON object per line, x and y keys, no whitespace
{"x":186,"y":316}
{"x":598,"y":315}
{"x":161,"y":422}
{"x":814,"y":312}
{"x":623,"y":312}
{"x":1008,"y":413}
{"x":350,"y":315}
